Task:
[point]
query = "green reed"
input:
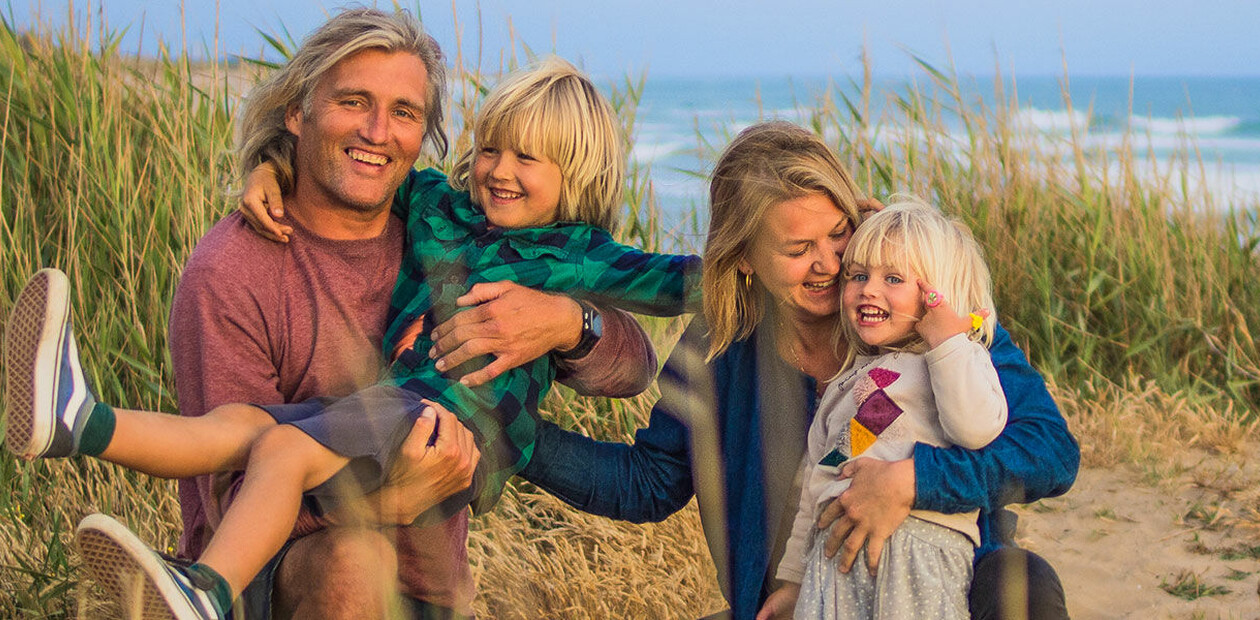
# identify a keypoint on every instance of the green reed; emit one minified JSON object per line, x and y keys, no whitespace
{"x":111,"y":168}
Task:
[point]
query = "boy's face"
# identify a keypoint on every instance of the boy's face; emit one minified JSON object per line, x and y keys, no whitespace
{"x":363,"y":130}
{"x":516,"y":190}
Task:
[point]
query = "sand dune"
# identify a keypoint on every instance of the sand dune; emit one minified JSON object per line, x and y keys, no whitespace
{"x":1124,"y":534}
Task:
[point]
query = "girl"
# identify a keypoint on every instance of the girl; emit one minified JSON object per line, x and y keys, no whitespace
{"x":527,"y":203}
{"x":916,"y":372}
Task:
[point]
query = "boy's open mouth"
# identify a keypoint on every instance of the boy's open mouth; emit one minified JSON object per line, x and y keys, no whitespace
{"x":503,"y":194}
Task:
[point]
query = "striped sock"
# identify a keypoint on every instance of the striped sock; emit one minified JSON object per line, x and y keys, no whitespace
{"x":98,"y":430}
{"x":209,"y":580}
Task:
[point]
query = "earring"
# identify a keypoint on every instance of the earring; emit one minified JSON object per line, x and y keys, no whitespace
{"x":748,"y":280}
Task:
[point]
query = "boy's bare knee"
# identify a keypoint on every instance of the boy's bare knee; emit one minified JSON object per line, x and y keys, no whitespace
{"x":241,"y":413}
{"x":338,"y":573}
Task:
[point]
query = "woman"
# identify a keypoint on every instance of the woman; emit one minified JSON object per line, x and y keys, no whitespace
{"x":740,"y":389}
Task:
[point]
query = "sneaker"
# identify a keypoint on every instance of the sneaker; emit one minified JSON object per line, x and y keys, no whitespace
{"x":49,"y":400}
{"x":143,"y":584}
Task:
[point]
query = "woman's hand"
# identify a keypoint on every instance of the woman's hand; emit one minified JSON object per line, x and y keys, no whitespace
{"x":261,"y":204}
{"x":514,"y":323}
{"x":940,"y":322}
{"x":878,"y":500}
{"x":781,"y":603}
{"x":436,"y":460}
{"x":869,"y":206}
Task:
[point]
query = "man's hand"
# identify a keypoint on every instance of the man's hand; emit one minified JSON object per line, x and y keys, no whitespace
{"x":436,"y":460}
{"x":878,"y":500}
{"x":515,"y":324}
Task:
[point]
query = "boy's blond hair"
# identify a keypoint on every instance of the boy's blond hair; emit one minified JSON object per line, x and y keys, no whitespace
{"x":919,"y":240}
{"x":766,"y":164}
{"x":553,"y":110}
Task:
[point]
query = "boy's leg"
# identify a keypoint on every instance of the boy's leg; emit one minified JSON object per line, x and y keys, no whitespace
{"x":171,"y":446}
{"x":143,"y":584}
{"x":53,"y":412}
{"x":254,"y":529}
{"x":283,"y":463}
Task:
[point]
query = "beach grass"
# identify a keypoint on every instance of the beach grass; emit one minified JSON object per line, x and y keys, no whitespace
{"x":1131,"y":290}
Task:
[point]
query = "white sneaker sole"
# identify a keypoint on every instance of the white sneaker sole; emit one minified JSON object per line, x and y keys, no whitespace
{"x":33,"y":341}
{"x":130,"y":571}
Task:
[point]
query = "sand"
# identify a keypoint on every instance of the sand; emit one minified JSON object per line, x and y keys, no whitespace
{"x":1123,"y":535}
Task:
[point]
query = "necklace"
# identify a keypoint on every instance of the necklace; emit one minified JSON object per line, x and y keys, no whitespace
{"x":783,"y":333}
{"x":796,"y":356}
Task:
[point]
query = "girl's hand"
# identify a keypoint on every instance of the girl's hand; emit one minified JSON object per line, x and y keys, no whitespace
{"x":781,"y":603}
{"x":940,"y":322}
{"x":261,"y":204}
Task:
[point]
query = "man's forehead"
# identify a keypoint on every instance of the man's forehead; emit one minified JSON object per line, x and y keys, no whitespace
{"x":378,"y":68}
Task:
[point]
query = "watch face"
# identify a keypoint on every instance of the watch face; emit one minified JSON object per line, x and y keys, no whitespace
{"x":597,"y":325}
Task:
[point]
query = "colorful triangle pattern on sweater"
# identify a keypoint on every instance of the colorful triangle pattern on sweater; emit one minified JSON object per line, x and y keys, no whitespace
{"x":875,"y":409}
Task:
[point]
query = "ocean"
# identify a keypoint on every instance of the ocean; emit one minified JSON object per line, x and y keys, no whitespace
{"x":681,"y":122}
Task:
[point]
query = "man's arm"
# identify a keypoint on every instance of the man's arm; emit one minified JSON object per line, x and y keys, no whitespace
{"x":622,"y":363}
{"x":517,"y":324}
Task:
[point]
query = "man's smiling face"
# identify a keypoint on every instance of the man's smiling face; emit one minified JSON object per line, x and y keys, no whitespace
{"x":362,"y":131}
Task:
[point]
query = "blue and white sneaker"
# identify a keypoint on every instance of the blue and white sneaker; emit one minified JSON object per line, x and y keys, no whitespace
{"x":145,"y":585}
{"x":49,"y":400}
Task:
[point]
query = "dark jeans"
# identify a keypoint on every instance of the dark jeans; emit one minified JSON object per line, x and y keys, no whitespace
{"x":1013,"y":583}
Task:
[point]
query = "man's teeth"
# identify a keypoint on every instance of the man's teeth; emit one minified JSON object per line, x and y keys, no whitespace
{"x":818,"y":286}
{"x":368,"y":158}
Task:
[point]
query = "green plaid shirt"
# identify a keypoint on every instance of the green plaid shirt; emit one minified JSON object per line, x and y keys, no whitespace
{"x":450,"y":248}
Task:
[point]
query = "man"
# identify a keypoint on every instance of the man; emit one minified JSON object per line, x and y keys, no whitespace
{"x":261,"y":322}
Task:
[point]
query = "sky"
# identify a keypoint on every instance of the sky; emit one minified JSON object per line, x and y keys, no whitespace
{"x":751,"y":38}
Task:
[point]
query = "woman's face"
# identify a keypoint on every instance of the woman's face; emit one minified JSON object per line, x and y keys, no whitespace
{"x":796,"y":256}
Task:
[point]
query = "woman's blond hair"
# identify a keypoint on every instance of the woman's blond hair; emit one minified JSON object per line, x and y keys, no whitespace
{"x":765,"y":165}
{"x":552,"y":109}
{"x":262,"y":135}
{"x":915,"y":237}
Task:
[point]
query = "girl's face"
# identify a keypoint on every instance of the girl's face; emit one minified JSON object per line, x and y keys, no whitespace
{"x":882,"y":303}
{"x":516,"y":190}
{"x":796,"y":256}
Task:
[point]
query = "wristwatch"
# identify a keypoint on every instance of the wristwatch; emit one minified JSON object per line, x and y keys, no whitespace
{"x":592,"y":330}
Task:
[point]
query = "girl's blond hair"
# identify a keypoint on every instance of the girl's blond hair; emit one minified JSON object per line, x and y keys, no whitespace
{"x":767,"y":164}
{"x":553,"y":110}
{"x":915,"y":237}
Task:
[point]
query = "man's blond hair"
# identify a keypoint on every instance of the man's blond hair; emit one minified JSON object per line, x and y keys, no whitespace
{"x":262,"y":135}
